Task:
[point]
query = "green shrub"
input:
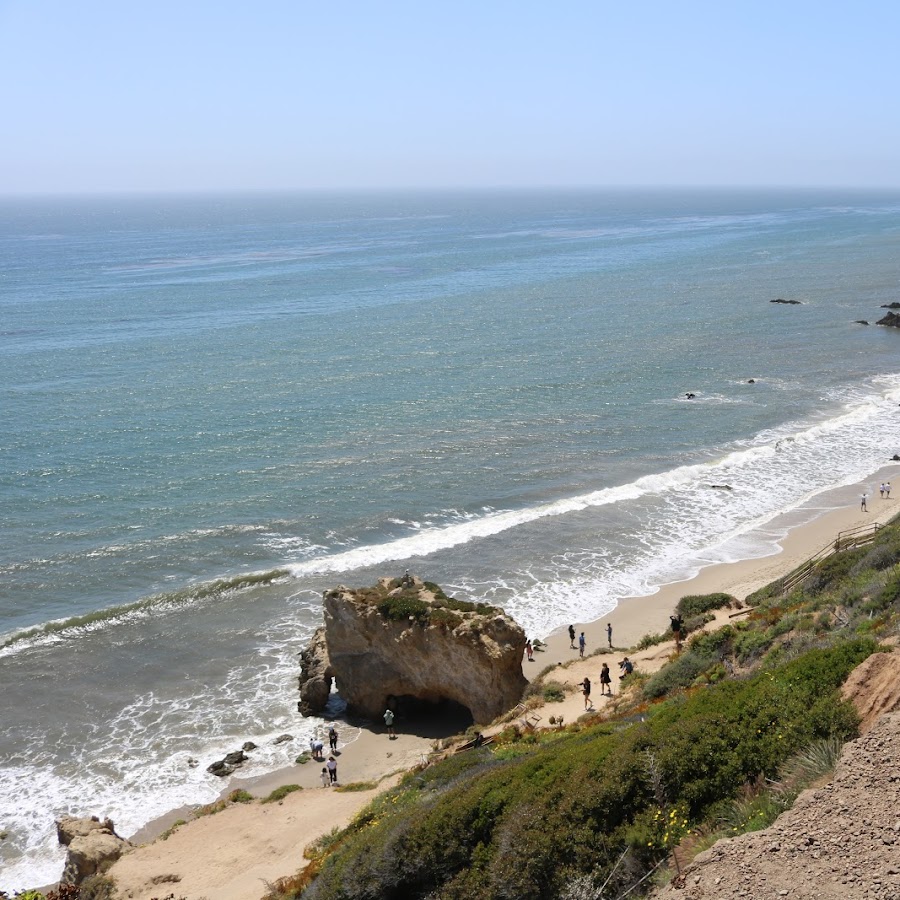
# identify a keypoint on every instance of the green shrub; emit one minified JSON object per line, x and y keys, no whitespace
{"x":680,"y":672}
{"x":697,"y":604}
{"x":651,"y":640}
{"x":281,"y":792}
{"x":553,"y":692}
{"x":240,"y":796}
{"x":355,"y":786}
{"x":97,"y":887}
{"x":444,"y":618}
{"x":403,"y":607}
{"x":750,"y":645}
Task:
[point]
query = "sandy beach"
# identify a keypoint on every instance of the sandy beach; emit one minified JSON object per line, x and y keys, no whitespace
{"x":233,"y":853}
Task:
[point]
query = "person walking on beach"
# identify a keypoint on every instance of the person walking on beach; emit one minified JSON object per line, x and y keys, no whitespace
{"x":571,"y":637}
{"x":586,"y":690}
{"x":605,"y":681}
{"x":331,"y":765}
{"x":581,"y":643}
{"x":332,"y":738}
{"x":862,"y":504}
{"x":609,"y":634}
{"x":529,"y":651}
{"x":389,"y":723}
{"x":881,"y":490}
{"x":887,"y":490}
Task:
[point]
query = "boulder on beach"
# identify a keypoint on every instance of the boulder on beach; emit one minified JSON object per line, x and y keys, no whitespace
{"x":404,"y":643}
{"x":93,"y":846}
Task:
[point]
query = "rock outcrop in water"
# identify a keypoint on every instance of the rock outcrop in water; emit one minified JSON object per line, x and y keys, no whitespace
{"x":891,"y":318}
{"x":405,"y":640}
{"x":93,"y":847}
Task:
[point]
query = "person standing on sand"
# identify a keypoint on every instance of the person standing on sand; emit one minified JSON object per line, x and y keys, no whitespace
{"x":571,"y":637}
{"x":581,"y":643}
{"x":609,"y":634}
{"x":332,"y":738}
{"x":586,"y":690}
{"x":529,"y":651}
{"x":331,"y":765}
{"x":605,"y":681}
{"x":389,"y":723}
{"x":326,"y":778}
{"x":887,"y":490}
{"x":862,"y":504}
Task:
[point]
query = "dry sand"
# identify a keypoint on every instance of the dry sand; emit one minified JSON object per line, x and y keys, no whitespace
{"x":232,"y":854}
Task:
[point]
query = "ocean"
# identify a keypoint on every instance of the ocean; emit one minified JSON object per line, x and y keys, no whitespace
{"x":216,"y":407}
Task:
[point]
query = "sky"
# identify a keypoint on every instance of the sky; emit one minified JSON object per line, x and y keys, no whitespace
{"x":271,"y":95}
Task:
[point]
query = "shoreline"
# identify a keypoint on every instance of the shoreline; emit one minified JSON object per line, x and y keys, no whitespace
{"x":797,"y":535}
{"x":211,"y":848}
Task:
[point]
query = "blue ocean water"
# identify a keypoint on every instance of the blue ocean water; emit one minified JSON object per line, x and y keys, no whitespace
{"x":214,"y":408}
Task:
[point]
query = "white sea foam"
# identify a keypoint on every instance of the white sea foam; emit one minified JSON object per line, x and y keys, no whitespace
{"x":688,"y":524}
{"x":137,"y":768}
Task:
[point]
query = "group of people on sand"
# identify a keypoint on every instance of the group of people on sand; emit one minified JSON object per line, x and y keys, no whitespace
{"x":884,"y":489}
{"x":317,"y":748}
{"x":582,"y":642}
{"x":626,"y":666}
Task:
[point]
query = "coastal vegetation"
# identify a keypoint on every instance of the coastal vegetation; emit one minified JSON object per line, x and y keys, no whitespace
{"x":400,"y":600}
{"x":719,"y":741}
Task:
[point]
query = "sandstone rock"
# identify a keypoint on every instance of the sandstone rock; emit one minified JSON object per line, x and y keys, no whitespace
{"x":283,"y":738}
{"x":403,"y":639}
{"x":220,"y":768}
{"x":315,"y":675}
{"x":248,"y":746}
{"x":93,"y":847}
{"x":235,"y":758}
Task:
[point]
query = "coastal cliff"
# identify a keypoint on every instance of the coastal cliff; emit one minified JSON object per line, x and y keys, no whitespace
{"x":405,"y":642}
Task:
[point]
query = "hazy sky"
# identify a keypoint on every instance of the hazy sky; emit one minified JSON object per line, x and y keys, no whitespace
{"x":197,"y":95}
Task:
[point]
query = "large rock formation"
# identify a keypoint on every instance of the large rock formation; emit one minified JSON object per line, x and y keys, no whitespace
{"x":891,"y":318}
{"x":406,"y":639}
{"x":93,"y":847}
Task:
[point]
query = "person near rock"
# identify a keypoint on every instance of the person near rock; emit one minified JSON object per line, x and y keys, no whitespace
{"x":332,"y":738}
{"x":586,"y":690}
{"x":331,"y":765}
{"x":478,"y":741}
{"x":862,"y":504}
{"x":609,"y":634}
{"x":326,"y":778}
{"x":627,"y":667}
{"x":581,"y":644}
{"x":529,"y":651}
{"x":317,"y":748}
{"x":605,"y":681}
{"x":571,"y":637}
{"x":389,"y":723}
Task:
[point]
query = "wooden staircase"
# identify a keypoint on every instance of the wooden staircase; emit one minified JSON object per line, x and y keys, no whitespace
{"x":845,"y":540}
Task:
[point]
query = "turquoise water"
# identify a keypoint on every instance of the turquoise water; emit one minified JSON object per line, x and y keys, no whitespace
{"x":216,"y":407}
